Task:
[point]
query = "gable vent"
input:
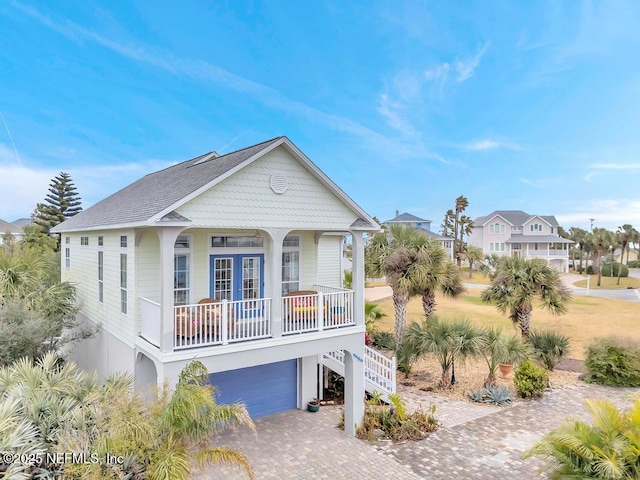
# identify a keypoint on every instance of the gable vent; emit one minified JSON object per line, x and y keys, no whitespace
{"x":278,"y":183}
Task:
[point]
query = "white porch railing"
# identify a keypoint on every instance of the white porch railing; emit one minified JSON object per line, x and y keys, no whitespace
{"x":329,"y":308}
{"x":222,"y":322}
{"x":379,"y":370}
{"x":150,"y":325}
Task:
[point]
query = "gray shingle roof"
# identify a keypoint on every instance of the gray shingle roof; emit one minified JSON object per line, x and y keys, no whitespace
{"x":157,"y":191}
{"x":407,"y":217}
{"x":514,"y":217}
{"x":537,"y":239}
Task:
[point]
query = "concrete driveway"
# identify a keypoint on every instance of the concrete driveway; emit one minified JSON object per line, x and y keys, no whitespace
{"x":475,"y":442}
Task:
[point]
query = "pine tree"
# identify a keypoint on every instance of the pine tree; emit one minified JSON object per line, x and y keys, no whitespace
{"x":61,"y":202}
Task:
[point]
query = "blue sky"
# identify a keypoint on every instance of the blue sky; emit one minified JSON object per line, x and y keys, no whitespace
{"x":405,"y":105}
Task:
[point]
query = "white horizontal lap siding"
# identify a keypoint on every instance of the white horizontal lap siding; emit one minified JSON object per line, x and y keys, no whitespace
{"x":84,"y":274}
{"x":330,"y":260}
{"x":308,"y":260}
{"x":245,"y":199}
{"x":148,"y":265}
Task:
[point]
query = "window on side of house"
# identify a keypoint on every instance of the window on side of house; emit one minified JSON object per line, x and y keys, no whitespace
{"x":100,"y":241}
{"x":67,"y":257}
{"x":182,"y":270}
{"x":123,"y":283}
{"x":123,"y":241}
{"x":100,"y":276}
{"x":290,"y":264}
{"x":84,"y":241}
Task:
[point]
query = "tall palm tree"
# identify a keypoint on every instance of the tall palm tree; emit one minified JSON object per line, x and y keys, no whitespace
{"x":627,"y":234}
{"x":602,"y":239}
{"x":472,"y":254}
{"x":579,"y":236}
{"x":439,"y":275}
{"x":517,"y":282}
{"x":461,"y":205}
{"x":397,"y":255}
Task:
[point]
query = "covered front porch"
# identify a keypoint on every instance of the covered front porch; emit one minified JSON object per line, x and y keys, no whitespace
{"x":217,"y":288}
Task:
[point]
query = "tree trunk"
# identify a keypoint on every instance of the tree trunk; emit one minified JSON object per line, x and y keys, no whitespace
{"x":470,"y":268}
{"x":524,"y":321}
{"x":445,"y":380}
{"x":599,"y":267}
{"x":490,"y":380}
{"x":428,"y":303}
{"x":621,"y":258}
{"x":400,"y":305}
{"x":581,"y":252}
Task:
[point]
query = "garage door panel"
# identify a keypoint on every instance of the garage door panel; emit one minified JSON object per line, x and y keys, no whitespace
{"x":265,"y":389}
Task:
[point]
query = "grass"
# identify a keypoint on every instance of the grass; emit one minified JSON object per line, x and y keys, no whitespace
{"x":586,"y":319}
{"x":375,"y":283}
{"x":476,"y":277}
{"x":609,"y":282}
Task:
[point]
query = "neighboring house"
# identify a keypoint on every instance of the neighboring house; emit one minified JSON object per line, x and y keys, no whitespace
{"x":409,"y":220}
{"x":630,"y":254}
{"x":234,"y":260}
{"x":517,"y":233}
{"x":14,"y":228}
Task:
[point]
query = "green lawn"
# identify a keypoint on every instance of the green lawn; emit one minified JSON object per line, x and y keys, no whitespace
{"x":609,"y":282}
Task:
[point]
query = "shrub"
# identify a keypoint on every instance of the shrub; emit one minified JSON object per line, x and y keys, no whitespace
{"x":394,"y":422}
{"x":606,"y":449}
{"x":493,"y":394}
{"x":383,"y":340}
{"x":530,"y":380}
{"x":406,"y":356}
{"x":606,"y":270}
{"x":549,"y":347}
{"x":634,"y":264}
{"x":590,"y":270}
{"x":614,"y":362}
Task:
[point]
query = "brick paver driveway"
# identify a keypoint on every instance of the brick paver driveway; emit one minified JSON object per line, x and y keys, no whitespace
{"x":301,"y":445}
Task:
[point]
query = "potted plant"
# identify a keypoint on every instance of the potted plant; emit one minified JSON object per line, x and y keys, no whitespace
{"x":313,"y":405}
{"x":501,"y":353}
{"x":515,"y":352}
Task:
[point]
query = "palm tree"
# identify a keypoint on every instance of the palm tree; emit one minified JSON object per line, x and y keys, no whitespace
{"x":472,"y":254}
{"x":627,"y":234}
{"x":607,"y":449}
{"x":517,"y":282}
{"x":396,"y":255}
{"x":372,"y":313}
{"x":461,"y":205}
{"x":449,"y":341}
{"x":579,"y":236}
{"x":602,"y":239}
{"x":497,"y":349}
{"x":439,"y":275}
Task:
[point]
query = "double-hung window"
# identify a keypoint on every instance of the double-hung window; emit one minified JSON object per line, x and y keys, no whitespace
{"x":182,"y":270}
{"x":123,"y":275}
{"x":100,"y":270}
{"x":290,"y":264}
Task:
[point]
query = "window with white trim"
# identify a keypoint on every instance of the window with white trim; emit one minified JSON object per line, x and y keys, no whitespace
{"x":182,"y":270}
{"x":67,"y":257}
{"x":535,"y":227}
{"x":84,"y":241}
{"x":100,"y":276}
{"x":123,"y":241}
{"x":290,"y":264}
{"x":100,"y":241}
{"x":123,"y":283}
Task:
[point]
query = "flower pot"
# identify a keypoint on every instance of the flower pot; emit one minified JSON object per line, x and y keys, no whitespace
{"x":505,"y":370}
{"x":313,"y":406}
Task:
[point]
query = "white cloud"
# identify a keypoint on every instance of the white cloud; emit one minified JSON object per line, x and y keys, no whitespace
{"x":540,"y":183}
{"x":438,"y":76}
{"x":489,"y":144}
{"x":466,"y":69}
{"x":616,"y":166}
{"x":606,"y":212}
{"x":391,"y":111}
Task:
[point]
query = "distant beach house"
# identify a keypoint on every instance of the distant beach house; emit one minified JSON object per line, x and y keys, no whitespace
{"x":15,"y":228}
{"x":517,"y":233}
{"x":422,"y":224}
{"x":235,"y":260}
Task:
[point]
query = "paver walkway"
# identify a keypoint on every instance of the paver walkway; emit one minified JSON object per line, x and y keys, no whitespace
{"x":475,"y":442}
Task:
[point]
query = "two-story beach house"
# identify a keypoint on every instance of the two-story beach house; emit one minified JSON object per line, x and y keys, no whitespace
{"x":517,"y":233}
{"x":422,"y":224}
{"x":234,"y":260}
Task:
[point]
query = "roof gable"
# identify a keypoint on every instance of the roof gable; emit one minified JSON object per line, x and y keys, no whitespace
{"x":151,"y":198}
{"x":406,"y":217}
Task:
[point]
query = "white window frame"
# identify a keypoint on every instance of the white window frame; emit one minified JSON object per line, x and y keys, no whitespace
{"x":84,"y":241}
{"x":124,"y":279}
{"x":100,"y":259}
{"x":292,"y":249}
{"x":179,"y":250}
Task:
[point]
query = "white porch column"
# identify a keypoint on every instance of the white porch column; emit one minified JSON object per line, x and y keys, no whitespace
{"x":168,"y":236}
{"x":357,"y":258}
{"x":275,"y":279}
{"x":353,"y":390}
{"x":308,"y":380}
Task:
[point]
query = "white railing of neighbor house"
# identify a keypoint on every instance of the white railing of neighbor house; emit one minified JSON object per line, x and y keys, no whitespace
{"x":222,"y":322}
{"x":379,"y":370}
{"x":329,"y":308}
{"x":150,"y":326}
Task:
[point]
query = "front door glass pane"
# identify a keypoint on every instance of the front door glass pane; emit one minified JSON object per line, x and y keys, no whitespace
{"x":223,"y":279}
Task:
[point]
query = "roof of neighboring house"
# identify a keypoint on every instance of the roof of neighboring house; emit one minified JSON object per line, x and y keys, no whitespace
{"x":515,"y":217}
{"x":22,"y":222}
{"x":437,"y":236}
{"x":537,"y":239}
{"x":153,"y":197}
{"x":4,"y":226}
{"x":407,"y":217}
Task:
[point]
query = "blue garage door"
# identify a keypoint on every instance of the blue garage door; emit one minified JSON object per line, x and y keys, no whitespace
{"x":265,"y":389}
